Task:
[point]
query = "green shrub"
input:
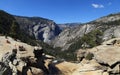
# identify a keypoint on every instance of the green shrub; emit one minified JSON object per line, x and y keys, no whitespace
{"x":89,"y":56}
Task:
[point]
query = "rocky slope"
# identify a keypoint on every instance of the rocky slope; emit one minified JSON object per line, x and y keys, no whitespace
{"x":109,"y":25}
{"x":24,"y":55}
{"x":85,"y":67}
{"x":40,"y":28}
{"x":7,"y":44}
{"x":70,"y":34}
{"x":106,"y":54}
{"x":109,"y":18}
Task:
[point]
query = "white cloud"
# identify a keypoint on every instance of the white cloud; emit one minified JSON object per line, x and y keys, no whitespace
{"x":97,"y":5}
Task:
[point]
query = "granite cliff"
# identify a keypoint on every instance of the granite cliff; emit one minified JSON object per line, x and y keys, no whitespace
{"x":108,"y":25}
{"x":40,"y":28}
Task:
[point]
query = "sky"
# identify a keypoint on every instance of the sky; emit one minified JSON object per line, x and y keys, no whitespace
{"x":62,"y":11}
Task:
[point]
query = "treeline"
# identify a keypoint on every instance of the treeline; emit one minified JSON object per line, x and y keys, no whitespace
{"x":10,"y":27}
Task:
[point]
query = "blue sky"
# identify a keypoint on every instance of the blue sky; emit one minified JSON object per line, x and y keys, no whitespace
{"x":62,"y":11}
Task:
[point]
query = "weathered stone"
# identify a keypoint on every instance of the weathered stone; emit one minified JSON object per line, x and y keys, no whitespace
{"x":105,"y":73}
{"x":35,"y":71}
{"x":80,"y":54}
{"x":107,"y":55}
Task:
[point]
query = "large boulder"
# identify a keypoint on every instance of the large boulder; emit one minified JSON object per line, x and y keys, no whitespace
{"x":107,"y":55}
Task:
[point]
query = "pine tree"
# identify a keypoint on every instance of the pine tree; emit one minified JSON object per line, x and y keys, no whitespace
{"x":14,"y":30}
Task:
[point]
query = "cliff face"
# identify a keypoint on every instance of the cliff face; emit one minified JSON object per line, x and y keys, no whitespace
{"x":64,"y":39}
{"x":108,"y":25}
{"x":40,"y":28}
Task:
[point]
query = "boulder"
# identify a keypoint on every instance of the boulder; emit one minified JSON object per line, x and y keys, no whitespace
{"x":109,"y":55}
{"x":35,"y":71}
{"x":105,"y":73}
{"x":80,"y":54}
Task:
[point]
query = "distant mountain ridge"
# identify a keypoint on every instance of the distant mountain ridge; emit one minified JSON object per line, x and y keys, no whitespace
{"x":68,"y":25}
{"x":108,"y":25}
{"x":109,"y":18}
